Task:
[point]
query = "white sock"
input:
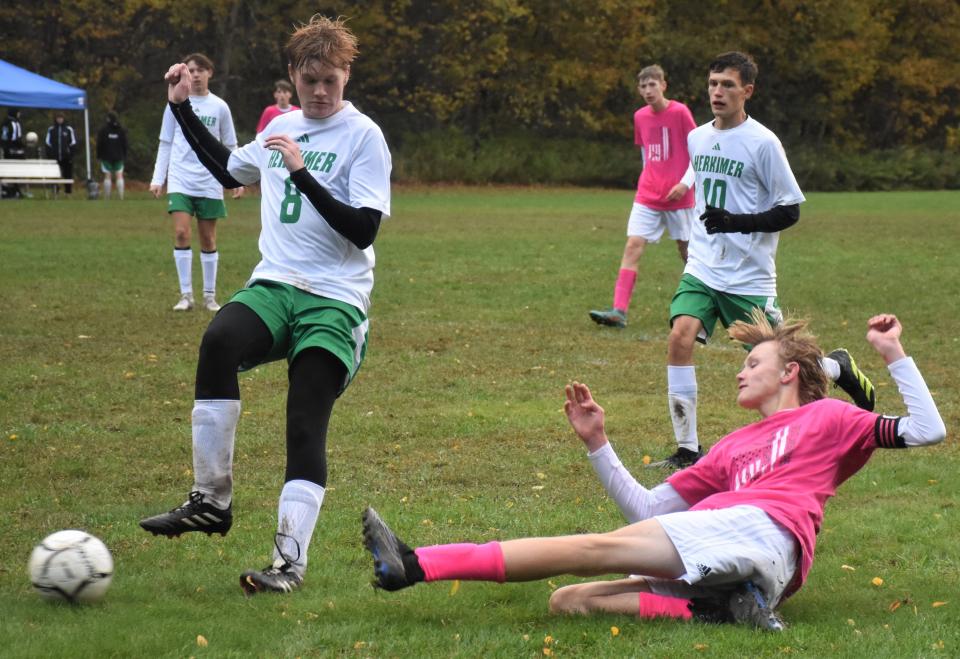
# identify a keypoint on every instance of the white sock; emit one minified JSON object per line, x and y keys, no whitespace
{"x":183,"y":258}
{"x":214,"y":429}
{"x":831,"y":367}
{"x":107,"y":185}
{"x":682,"y":398}
{"x":120,"y":187}
{"x":208,"y":262}
{"x":297,"y":515}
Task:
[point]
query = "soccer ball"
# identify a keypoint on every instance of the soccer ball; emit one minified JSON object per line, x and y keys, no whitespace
{"x":71,"y":566}
{"x":31,"y":139}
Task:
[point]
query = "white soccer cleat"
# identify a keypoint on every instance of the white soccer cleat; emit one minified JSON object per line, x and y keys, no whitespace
{"x":185,"y":303}
{"x":210,"y":302}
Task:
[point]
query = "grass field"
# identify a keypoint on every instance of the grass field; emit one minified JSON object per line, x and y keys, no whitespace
{"x":453,"y":428}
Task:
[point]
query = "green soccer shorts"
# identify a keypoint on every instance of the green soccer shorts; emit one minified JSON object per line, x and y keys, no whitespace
{"x":201,"y":207}
{"x":298,"y":320}
{"x":107,"y":166}
{"x":694,"y":298}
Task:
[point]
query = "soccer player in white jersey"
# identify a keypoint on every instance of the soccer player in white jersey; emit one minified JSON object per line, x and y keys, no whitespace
{"x":727,"y":539}
{"x":324,"y":173}
{"x":746,"y":194}
{"x":191,"y":189}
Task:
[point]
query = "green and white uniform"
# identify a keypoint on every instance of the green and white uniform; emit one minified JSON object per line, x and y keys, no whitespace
{"x":348,"y":156}
{"x":177,"y":164}
{"x":743,"y":170}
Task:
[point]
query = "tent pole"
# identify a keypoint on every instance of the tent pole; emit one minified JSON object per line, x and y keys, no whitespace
{"x":86,"y":130}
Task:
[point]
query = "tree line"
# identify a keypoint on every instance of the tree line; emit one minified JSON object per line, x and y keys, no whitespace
{"x":863,"y":93}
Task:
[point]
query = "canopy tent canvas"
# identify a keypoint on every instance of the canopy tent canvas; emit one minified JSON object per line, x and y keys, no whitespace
{"x":23,"y":89}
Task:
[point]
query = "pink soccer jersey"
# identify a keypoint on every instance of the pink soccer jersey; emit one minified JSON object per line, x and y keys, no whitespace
{"x":270,"y":113}
{"x":788,"y":465}
{"x":663,"y":136}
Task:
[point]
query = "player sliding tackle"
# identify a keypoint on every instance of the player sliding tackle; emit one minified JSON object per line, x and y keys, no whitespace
{"x":726,"y":539}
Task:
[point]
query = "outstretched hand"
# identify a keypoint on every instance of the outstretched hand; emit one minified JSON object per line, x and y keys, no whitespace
{"x":178,"y":83}
{"x":883,"y":333}
{"x":585,"y":416}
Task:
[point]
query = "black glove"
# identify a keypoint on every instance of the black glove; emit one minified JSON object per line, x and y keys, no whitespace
{"x":717,"y":220}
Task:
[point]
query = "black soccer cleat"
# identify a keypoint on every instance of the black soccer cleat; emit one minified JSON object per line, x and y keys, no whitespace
{"x":194,"y":515}
{"x":745,"y":605}
{"x":681,"y":459}
{"x":853,"y":381}
{"x":609,"y":317}
{"x":280,"y":577}
{"x":388,"y":551}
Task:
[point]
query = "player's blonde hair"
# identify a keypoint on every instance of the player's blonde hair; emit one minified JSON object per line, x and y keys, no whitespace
{"x":794,"y":344}
{"x":326,"y":40}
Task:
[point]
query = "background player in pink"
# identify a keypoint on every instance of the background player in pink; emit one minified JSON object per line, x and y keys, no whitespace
{"x":662,"y":201}
{"x":282,"y":93}
{"x":726,"y":539}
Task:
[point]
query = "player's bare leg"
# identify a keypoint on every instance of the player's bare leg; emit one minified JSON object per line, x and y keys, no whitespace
{"x":643,"y":548}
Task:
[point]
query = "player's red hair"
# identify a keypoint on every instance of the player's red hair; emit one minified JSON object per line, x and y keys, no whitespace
{"x":322,"y":39}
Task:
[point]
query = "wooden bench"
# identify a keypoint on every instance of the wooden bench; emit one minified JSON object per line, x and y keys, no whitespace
{"x":32,"y":172}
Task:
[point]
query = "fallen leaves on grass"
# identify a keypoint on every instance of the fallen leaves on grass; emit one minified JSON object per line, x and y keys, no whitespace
{"x":849,"y":568}
{"x":937,"y":605}
{"x":454,"y":587}
{"x":614,"y":631}
{"x":202,"y":640}
{"x":877,"y":581}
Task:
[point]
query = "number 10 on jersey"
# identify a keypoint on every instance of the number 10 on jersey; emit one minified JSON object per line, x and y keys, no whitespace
{"x":715,"y":192}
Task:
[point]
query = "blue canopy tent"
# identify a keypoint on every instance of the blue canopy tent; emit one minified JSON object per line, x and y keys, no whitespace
{"x":23,"y":89}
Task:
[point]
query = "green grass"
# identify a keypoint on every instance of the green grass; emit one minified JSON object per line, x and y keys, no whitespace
{"x":453,"y":428}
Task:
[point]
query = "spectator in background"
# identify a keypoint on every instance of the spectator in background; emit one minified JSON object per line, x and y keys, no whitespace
{"x":111,"y":152}
{"x":61,"y":141}
{"x":282,"y":93}
{"x":11,"y":135}
{"x":11,"y":141}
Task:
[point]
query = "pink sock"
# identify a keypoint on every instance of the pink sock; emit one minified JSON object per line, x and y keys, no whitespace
{"x":462,"y":561}
{"x":662,"y":606}
{"x":624,"y":289}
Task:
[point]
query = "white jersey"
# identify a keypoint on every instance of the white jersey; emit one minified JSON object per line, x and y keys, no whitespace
{"x":743,"y":170}
{"x":347,"y":154}
{"x":177,"y":164}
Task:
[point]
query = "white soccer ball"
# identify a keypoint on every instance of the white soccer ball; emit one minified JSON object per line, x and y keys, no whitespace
{"x":71,"y":566}
{"x":31,"y":139}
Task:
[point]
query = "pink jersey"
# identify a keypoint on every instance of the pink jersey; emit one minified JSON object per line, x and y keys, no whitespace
{"x":663,"y":136}
{"x":788,"y":465}
{"x":270,"y":113}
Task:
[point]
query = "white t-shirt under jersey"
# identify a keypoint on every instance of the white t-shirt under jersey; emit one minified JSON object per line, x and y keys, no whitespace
{"x":177,"y":164}
{"x":347,"y":154}
{"x":743,"y":170}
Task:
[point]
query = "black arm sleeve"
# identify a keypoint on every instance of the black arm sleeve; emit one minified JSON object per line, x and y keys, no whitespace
{"x":358,"y":225}
{"x":210,"y":152}
{"x":777,"y":218}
